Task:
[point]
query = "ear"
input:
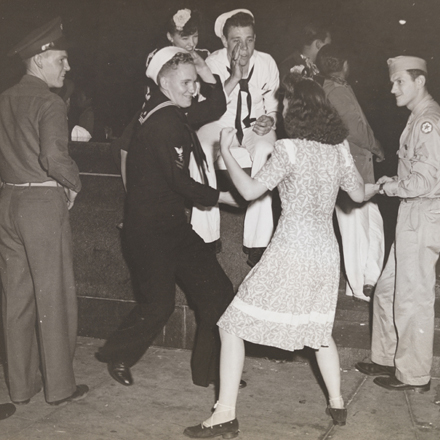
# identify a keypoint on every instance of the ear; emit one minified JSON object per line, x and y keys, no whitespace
{"x":170,"y":38}
{"x":421,"y":81}
{"x":38,"y":60}
{"x":163,"y":82}
{"x":224,"y":41}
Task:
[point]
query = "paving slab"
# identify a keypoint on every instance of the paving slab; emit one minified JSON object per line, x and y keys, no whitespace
{"x":283,"y":400}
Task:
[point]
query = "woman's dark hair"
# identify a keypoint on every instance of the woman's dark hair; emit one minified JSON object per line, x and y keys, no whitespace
{"x":331,"y":59}
{"x":240,"y":19}
{"x":309,"y":114}
{"x":191,"y":26}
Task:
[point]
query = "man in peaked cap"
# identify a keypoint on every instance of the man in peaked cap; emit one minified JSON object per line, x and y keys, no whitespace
{"x":403,"y":308}
{"x":250,"y":80}
{"x":40,"y":183}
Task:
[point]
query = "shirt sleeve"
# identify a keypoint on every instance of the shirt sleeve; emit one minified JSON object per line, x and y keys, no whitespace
{"x":359,"y":131}
{"x":279,"y":165}
{"x":169,"y":151}
{"x":54,"y":154}
{"x":212,"y":108}
{"x":349,"y":181}
{"x":424,"y":164}
{"x":273,"y":82}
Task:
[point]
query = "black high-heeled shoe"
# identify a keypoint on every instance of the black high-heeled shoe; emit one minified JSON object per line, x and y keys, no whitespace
{"x":339,"y":415}
{"x":227,"y":430}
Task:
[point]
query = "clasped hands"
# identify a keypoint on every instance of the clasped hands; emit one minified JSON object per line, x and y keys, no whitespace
{"x":371,"y":189}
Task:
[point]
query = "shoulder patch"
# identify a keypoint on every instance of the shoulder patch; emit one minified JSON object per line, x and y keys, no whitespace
{"x":426,"y":127}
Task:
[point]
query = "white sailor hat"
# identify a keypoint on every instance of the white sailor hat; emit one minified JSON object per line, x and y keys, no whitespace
{"x":162,"y":56}
{"x":221,"y":20}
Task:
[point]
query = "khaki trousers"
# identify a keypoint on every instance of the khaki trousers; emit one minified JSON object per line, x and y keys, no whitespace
{"x":38,"y":297}
{"x":403,"y":309}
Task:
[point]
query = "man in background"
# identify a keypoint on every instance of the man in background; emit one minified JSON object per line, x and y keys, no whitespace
{"x":360,"y":224}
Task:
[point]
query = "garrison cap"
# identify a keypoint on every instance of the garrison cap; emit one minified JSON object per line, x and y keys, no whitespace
{"x":47,"y":37}
{"x":406,"y":63}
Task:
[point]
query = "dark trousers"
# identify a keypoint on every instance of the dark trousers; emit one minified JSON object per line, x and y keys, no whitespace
{"x":159,"y":256}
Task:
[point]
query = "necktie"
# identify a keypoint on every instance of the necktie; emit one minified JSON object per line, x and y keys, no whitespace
{"x":244,"y":87}
{"x":199,"y":154}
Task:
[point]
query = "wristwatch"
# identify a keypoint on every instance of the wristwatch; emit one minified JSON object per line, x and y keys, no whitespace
{"x":381,"y":191}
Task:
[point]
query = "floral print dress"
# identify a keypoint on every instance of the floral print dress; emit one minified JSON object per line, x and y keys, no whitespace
{"x":288,"y":300}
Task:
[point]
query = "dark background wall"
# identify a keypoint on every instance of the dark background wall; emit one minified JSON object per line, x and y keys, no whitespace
{"x":111,"y":39}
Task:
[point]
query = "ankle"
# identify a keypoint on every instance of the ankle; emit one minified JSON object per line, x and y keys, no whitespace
{"x":222,"y":414}
{"x":337,"y":402}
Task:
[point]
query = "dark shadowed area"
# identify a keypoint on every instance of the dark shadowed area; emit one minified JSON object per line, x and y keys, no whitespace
{"x":111,"y":38}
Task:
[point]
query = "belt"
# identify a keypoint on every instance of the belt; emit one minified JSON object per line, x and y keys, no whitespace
{"x":31,"y":184}
{"x":418,"y":199}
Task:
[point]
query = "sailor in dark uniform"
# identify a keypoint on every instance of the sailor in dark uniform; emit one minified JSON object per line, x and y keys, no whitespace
{"x":161,"y":244}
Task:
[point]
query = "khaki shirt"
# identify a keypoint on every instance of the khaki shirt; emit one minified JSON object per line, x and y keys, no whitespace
{"x":34,"y":136}
{"x":418,"y":172}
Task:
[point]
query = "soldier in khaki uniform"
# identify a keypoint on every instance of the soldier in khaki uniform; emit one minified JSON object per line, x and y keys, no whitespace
{"x":403,"y":315}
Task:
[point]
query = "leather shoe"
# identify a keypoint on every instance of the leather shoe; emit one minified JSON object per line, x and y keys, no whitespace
{"x":80,"y":392}
{"x":120,"y":373}
{"x":226,"y":430}
{"x":372,"y":369}
{"x":6,"y":410}
{"x":339,"y":415}
{"x":392,"y":383}
{"x":25,"y":402}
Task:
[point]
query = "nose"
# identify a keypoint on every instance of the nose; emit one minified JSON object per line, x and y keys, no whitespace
{"x":192,"y":88}
{"x":393,"y":88}
{"x":66,"y":65}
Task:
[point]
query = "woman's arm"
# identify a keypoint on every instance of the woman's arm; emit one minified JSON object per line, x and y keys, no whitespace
{"x":358,"y":194}
{"x":249,"y":188}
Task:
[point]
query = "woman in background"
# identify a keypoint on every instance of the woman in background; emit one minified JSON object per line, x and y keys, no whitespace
{"x":288,"y":300}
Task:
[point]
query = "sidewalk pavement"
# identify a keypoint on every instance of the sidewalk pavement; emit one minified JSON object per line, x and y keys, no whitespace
{"x":283,"y":400}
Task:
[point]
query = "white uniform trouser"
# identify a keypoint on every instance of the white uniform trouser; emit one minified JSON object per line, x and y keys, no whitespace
{"x":403,"y":306}
{"x":255,"y":150}
{"x":363,"y":244}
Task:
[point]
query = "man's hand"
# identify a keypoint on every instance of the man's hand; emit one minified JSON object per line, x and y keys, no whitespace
{"x":263,"y":125}
{"x":70,"y":197}
{"x":202,"y":68}
{"x":236,"y":68}
{"x":227,"y":138}
{"x":384,"y":179}
{"x":227,"y":199}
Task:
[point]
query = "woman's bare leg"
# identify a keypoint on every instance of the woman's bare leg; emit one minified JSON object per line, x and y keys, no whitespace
{"x":231,"y":367}
{"x":328,"y":362}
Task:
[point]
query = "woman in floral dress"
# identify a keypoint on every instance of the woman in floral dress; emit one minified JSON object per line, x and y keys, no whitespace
{"x":289,"y":299}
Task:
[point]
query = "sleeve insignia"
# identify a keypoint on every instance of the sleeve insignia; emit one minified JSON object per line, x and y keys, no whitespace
{"x":179,"y":161}
{"x":426,"y":127}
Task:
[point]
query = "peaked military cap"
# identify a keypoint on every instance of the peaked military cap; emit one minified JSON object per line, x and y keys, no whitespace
{"x":47,"y":37}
